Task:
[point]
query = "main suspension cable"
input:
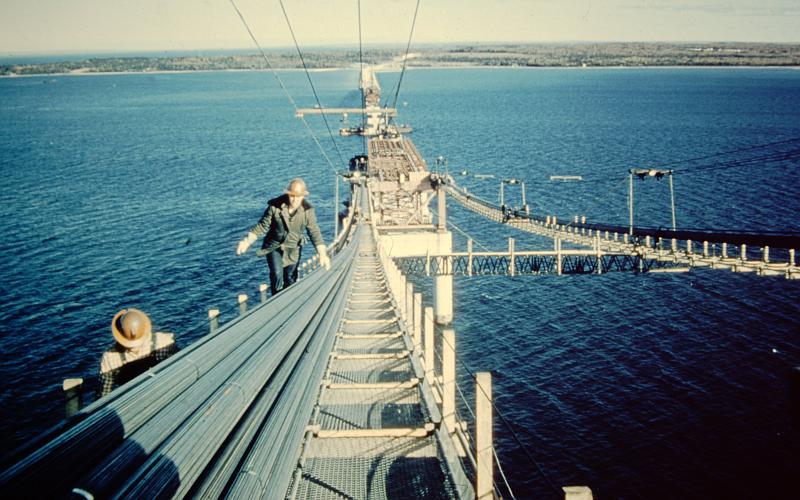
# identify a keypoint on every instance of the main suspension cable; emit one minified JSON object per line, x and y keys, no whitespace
{"x":282,"y":86}
{"x":361,"y":83}
{"x":775,"y":157}
{"x":405,"y":59}
{"x":729,"y":152}
{"x":308,"y":76}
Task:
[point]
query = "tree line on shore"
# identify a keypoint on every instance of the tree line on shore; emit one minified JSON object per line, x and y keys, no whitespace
{"x":532,"y":55}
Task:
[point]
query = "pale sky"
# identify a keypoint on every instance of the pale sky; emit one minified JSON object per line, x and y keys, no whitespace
{"x":57,"y":26}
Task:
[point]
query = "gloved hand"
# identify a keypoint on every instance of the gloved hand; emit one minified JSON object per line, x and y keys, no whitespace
{"x":245,"y":243}
{"x":324,"y":260}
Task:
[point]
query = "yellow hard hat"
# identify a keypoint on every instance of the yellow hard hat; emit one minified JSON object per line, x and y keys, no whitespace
{"x":297,"y":187}
{"x":131,"y":328}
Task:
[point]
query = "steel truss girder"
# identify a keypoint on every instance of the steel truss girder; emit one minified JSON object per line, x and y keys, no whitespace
{"x":498,"y":265}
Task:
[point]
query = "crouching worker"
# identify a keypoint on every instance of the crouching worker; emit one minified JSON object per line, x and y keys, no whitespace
{"x":282,"y":226}
{"x":136,"y":349}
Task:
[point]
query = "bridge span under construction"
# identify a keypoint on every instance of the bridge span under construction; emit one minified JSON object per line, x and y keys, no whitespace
{"x":344,"y":385}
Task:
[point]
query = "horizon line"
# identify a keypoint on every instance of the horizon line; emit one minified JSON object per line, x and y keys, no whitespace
{"x":335,"y":46}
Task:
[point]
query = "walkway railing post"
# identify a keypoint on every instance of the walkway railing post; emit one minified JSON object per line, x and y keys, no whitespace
{"x":336,"y":206}
{"x":401,"y":293}
{"x":409,"y":310}
{"x":558,"y":255}
{"x":213,"y":320}
{"x":598,"y":253}
{"x":242,"y":303}
{"x":577,"y":493}
{"x":262,"y":289}
{"x":449,"y":379}
{"x":417,"y":321}
{"x":743,"y":252}
{"x":442,"y":209}
{"x":469,"y":257}
{"x":724,"y":250}
{"x":443,"y":282}
{"x":765,"y":252}
{"x":484,"y":450}
{"x":511,"y":267}
{"x":428,"y":351}
{"x":630,"y":203}
{"x":428,"y":263}
{"x":72,"y":391}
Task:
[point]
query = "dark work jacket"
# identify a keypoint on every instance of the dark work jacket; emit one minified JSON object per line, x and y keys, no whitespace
{"x":274,"y":224}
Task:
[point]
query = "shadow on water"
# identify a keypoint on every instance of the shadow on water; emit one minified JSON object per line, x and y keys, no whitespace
{"x":93,"y":462}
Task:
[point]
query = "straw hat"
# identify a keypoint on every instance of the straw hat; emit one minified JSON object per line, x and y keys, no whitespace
{"x":131,"y":328}
{"x":297,"y":187}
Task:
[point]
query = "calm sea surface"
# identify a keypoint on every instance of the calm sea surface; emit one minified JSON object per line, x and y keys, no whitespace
{"x":132,"y":190}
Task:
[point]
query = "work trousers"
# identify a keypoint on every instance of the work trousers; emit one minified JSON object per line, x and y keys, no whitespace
{"x":280,"y":275}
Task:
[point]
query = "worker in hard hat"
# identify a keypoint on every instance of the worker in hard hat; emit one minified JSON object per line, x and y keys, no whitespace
{"x":282,"y":226}
{"x":136,"y":348}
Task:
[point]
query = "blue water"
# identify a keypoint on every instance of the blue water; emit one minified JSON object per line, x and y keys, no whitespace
{"x":132,"y":190}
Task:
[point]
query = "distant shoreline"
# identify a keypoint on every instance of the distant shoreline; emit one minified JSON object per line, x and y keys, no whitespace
{"x":157,"y":72}
{"x":410,"y":68}
{"x":578,"y":55}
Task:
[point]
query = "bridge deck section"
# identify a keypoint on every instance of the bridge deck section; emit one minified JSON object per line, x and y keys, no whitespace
{"x":399,"y":180}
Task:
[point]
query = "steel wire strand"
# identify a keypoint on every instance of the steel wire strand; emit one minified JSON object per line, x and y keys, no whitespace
{"x":729,"y":152}
{"x":463,"y":233}
{"x":100,"y":430}
{"x":211,"y":425}
{"x":770,"y":158}
{"x":737,"y":234}
{"x":309,"y":380}
{"x":471,"y":447}
{"x":600,"y":199}
{"x":309,"y":368}
{"x":280,"y":388}
{"x":361,"y":83}
{"x":504,"y":420}
{"x":775,"y":157}
{"x":335,"y":248}
{"x":283,"y":87}
{"x":203,"y":410}
{"x":597,"y":201}
{"x":64,"y":426}
{"x":405,"y":58}
{"x":218,"y":476}
{"x":311,"y":83}
{"x":601,"y":177}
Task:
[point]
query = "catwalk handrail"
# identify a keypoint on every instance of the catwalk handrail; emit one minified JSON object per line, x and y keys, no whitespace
{"x":774,"y":239}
